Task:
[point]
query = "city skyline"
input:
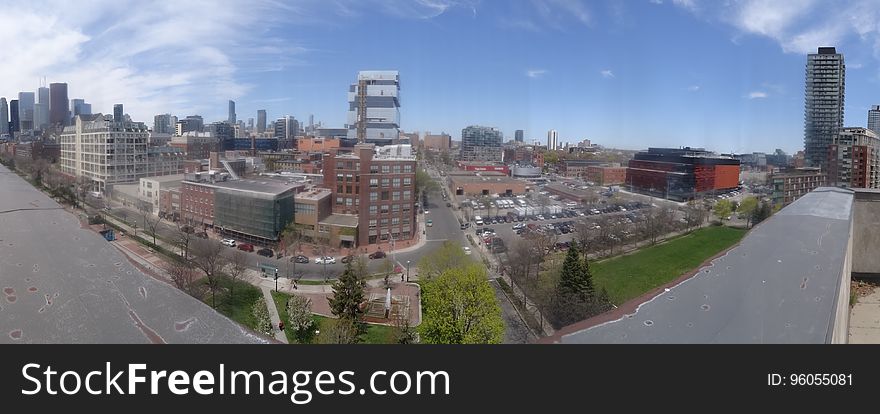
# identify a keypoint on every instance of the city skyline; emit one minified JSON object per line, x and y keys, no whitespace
{"x":581,"y":68}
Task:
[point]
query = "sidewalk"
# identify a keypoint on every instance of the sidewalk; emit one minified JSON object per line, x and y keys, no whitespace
{"x":273,"y":314}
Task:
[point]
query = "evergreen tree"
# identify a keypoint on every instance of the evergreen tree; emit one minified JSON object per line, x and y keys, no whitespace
{"x":348,"y":294}
{"x":575,"y":277}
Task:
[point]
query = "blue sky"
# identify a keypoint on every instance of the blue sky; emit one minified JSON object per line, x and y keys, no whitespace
{"x":726,"y":75}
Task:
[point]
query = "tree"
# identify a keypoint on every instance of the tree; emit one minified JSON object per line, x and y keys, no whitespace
{"x":460,"y":307}
{"x":207,"y":257}
{"x":762,"y":213}
{"x":448,"y":256}
{"x":183,"y":275}
{"x":575,"y":276}
{"x":348,"y":294}
{"x":723,"y":209}
{"x":263,"y":323}
{"x":747,"y":208}
{"x":403,"y":333}
{"x":424,"y":184}
{"x":339,"y":331}
{"x":236,"y":267}
{"x":299,"y":311}
{"x":151,"y":224}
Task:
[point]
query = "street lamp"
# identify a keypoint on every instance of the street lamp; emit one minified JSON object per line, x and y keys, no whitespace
{"x":407,"y":271}
{"x":276,"y":279}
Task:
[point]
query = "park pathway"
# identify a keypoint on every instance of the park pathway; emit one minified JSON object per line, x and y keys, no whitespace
{"x":273,"y":314}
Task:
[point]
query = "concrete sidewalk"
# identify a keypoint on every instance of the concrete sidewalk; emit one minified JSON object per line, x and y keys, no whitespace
{"x":273,"y":314}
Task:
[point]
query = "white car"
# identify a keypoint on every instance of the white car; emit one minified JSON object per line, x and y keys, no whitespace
{"x":467,"y":250}
{"x":325,"y":260}
{"x":228,"y":242}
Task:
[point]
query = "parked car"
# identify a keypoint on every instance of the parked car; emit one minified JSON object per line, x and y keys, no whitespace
{"x":448,"y":204}
{"x":266,"y":252}
{"x":228,"y":242}
{"x":300,"y":259}
{"x":464,"y":226}
{"x":378,"y":255}
{"x":246,"y":247}
{"x":325,"y":260}
{"x":467,"y":250}
{"x":429,"y":223}
{"x":347,"y":259}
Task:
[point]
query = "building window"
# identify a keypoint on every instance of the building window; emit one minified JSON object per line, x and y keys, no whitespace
{"x":385,"y":195}
{"x":395,"y":221}
{"x":407,"y":195}
{"x":396,"y":183}
{"x":386,"y":169}
{"x":374,"y":169}
{"x":395,"y":208}
{"x":397,"y":168}
{"x":374,"y":209}
{"x":374,"y":182}
{"x":373,"y":224}
{"x":407,"y":181}
{"x":323,"y":229}
{"x":406,"y":208}
{"x":384,"y":222}
{"x":349,"y":202}
{"x":374,"y":196}
{"x":384,"y":209}
{"x":339,"y":201}
{"x":407,"y":168}
{"x":396,"y":196}
{"x":386,"y":182}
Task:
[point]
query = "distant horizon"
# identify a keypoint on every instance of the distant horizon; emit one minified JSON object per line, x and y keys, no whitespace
{"x":728,"y":77}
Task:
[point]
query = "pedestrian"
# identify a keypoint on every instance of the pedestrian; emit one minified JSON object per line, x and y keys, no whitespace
{"x":281,"y":326}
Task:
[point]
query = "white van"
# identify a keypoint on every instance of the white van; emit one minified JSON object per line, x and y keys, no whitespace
{"x":478,"y":220}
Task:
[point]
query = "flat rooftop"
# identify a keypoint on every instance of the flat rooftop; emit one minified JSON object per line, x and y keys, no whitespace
{"x":272,"y":186}
{"x":340,"y":220}
{"x":781,"y":284}
{"x":483,"y":178}
{"x":314,"y":193}
{"x":62,"y":283}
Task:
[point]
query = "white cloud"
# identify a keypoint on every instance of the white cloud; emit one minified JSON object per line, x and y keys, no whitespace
{"x":538,"y":15}
{"x":152,"y":59}
{"x":798,"y":26}
{"x":693,"y":88}
{"x":607,"y":74}
{"x":655,"y":1}
{"x":757,"y":95}
{"x":536,"y":73}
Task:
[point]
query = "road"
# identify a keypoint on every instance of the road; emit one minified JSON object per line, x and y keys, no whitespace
{"x":445,"y":227}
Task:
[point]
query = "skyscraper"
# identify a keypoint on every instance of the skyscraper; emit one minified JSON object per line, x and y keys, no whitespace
{"x":250,"y":124}
{"x":823,"y":104}
{"x":552,"y":139}
{"x":311,"y":124}
{"x":14,"y":126}
{"x":518,"y":135}
{"x":118,"y":113}
{"x":26,"y":101}
{"x":231,"y":112}
{"x":80,"y":107}
{"x":58,"y":104}
{"x":286,"y":127}
{"x":261,"y":121}
{"x":4,"y":116}
{"x":41,"y":108}
{"x":874,"y":119}
{"x":162,"y":124}
{"x":374,"y":107}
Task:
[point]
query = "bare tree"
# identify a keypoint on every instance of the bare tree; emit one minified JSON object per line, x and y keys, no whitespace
{"x":207,"y":257}
{"x":183,"y":275}
{"x":235,"y":269}
{"x":151,"y":225}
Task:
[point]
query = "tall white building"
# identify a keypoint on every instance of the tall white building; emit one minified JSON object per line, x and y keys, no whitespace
{"x":104,"y":151}
{"x":374,"y":107}
{"x":552,"y":139}
{"x":823,"y":104}
{"x":874,"y":119}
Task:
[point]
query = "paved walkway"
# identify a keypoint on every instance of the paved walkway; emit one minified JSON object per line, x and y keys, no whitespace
{"x":864,"y":321}
{"x":273,"y":314}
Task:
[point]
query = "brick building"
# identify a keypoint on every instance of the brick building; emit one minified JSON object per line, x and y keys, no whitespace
{"x":377,"y":187}
{"x":854,"y":159}
{"x":791,"y":185}
{"x":606,"y":175}
{"x":468,"y":183}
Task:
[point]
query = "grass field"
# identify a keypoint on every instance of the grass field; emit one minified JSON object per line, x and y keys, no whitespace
{"x":627,"y":277}
{"x":237,"y":307}
{"x":376,"y":334}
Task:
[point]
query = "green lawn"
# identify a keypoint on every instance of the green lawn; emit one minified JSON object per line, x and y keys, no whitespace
{"x":376,"y":334}
{"x":627,"y":277}
{"x":239,"y":305}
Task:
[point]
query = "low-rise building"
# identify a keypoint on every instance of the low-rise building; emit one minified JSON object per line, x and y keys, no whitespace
{"x":442,"y":142}
{"x":793,"y":184}
{"x":606,"y":175}
{"x":196,"y":145}
{"x":469,"y":183}
{"x":482,"y":166}
{"x":150,"y":189}
{"x":574,"y":168}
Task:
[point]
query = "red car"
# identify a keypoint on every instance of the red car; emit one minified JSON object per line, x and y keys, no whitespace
{"x":378,"y":255}
{"x":246,"y":247}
